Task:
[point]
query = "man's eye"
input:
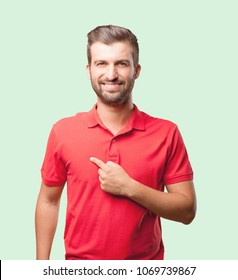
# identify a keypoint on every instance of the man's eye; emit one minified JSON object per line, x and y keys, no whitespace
{"x":100,"y":64}
{"x":123,"y":64}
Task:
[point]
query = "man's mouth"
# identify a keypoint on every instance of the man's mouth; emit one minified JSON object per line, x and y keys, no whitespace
{"x":112,"y":85}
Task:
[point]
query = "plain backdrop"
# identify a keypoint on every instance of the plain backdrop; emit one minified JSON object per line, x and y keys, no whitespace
{"x":188,"y":54}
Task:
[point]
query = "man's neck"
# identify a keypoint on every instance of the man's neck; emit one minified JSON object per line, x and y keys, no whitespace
{"x":115,"y":117}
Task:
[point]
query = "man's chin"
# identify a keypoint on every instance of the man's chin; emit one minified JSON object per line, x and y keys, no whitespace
{"x":116,"y":101}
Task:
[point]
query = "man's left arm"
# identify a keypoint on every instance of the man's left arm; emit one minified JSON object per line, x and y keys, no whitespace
{"x":177,"y":204}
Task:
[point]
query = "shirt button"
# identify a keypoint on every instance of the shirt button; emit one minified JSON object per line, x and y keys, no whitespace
{"x":113,"y":140}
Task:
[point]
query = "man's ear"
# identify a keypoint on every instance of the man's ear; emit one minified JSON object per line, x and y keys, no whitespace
{"x":137,"y":71}
{"x":88,"y":71}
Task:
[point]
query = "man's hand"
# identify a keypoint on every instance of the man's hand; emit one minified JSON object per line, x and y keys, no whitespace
{"x":113,"y":178}
{"x":178,"y":204}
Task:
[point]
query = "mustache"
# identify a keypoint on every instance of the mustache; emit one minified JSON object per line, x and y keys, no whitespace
{"x":116,"y":80}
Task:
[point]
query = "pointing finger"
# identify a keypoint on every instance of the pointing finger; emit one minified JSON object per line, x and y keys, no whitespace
{"x":98,"y":162}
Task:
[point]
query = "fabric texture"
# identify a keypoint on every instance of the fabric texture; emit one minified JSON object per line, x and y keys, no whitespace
{"x":100,"y":225}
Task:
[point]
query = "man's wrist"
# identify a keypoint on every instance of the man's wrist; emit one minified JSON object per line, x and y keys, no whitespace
{"x":133,"y":187}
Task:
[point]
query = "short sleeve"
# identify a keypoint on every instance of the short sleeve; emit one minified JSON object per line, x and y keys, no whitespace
{"x":53,"y":169}
{"x":178,"y":167}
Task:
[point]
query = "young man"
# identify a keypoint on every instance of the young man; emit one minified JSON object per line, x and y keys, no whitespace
{"x":116,"y":161}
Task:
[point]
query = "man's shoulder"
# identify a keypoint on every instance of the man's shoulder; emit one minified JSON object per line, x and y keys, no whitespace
{"x":159,"y":122}
{"x":67,"y":123}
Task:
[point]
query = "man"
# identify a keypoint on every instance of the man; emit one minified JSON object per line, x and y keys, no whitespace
{"x":116,"y":161}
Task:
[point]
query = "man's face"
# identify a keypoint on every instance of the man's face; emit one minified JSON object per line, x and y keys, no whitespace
{"x":112,"y":72}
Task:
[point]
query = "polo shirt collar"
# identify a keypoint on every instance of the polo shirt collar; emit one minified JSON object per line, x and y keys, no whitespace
{"x":136,"y":121}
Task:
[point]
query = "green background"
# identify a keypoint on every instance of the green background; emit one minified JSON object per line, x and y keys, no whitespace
{"x":188,"y":53}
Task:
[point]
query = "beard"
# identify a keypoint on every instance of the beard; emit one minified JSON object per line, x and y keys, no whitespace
{"x":113,"y":97}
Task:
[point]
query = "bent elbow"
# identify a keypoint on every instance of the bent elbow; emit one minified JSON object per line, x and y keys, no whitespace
{"x":189,"y":217}
{"x":190,"y":213}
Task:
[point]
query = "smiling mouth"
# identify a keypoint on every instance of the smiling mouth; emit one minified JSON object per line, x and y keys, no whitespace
{"x":112,"y":85}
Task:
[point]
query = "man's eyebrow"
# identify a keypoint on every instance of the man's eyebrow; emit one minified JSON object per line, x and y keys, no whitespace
{"x":117,"y":61}
{"x":99,"y":60}
{"x":123,"y":60}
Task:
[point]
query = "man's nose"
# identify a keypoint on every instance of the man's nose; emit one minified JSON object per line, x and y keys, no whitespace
{"x":111,"y":73}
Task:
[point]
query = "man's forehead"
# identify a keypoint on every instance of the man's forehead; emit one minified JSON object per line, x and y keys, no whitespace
{"x":117,"y":50}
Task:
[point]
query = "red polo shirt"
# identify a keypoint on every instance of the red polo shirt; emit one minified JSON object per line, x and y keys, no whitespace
{"x":100,"y":225}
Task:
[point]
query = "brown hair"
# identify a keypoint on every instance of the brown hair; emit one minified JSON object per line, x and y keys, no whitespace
{"x":108,"y":34}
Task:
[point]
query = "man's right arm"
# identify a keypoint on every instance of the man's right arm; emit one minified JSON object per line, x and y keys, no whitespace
{"x":46,"y":218}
